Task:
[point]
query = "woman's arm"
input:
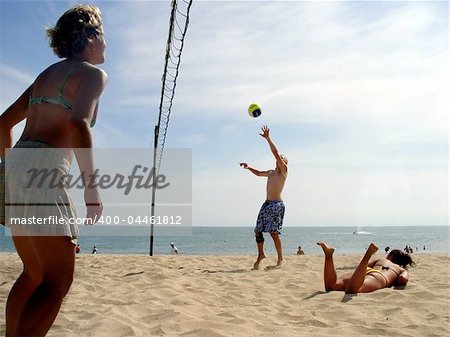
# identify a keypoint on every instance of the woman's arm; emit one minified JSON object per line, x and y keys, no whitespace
{"x":402,"y":279}
{"x":12,"y":116}
{"x":90,"y":89}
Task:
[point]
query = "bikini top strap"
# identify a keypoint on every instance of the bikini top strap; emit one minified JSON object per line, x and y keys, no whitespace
{"x":61,"y":90}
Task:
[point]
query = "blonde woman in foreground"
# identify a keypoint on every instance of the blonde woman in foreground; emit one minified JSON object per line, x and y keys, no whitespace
{"x":368,"y":275}
{"x":60,"y":107}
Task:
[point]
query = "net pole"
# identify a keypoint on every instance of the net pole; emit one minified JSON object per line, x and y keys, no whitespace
{"x":167,"y":95}
{"x":152,"y":211}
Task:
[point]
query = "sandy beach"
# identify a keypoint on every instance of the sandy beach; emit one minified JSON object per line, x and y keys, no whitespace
{"x":129,"y":295}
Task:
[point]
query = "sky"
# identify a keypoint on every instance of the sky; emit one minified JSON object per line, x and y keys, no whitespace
{"x":353,"y":93}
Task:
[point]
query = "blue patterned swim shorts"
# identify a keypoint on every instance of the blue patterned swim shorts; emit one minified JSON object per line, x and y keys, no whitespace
{"x":270,"y":217}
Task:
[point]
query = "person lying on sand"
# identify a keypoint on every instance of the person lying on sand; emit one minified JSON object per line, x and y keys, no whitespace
{"x":368,"y":275}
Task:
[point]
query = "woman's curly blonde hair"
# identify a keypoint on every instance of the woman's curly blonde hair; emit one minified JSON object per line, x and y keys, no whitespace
{"x":70,"y":34}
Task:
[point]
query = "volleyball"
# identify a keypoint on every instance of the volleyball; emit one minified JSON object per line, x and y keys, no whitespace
{"x":254,"y":110}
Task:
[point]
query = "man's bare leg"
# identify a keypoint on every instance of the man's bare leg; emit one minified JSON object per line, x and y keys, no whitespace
{"x":260,"y":245}
{"x":329,"y":272}
{"x":277,"y":242}
{"x":359,"y":275}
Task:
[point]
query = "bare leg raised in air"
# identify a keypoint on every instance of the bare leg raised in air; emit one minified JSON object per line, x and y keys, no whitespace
{"x":358,"y":277}
{"x":329,"y":272}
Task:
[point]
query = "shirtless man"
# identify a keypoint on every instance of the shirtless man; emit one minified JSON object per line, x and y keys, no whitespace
{"x":271,"y":214}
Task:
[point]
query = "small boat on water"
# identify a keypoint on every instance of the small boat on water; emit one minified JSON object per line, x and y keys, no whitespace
{"x":358,"y":231}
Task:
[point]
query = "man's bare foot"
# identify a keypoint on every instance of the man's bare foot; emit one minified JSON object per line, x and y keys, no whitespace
{"x":258,"y":260}
{"x":328,"y":250}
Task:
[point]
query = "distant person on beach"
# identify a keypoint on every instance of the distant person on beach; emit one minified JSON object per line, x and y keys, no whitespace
{"x":59,"y":108}
{"x":408,"y":249}
{"x":300,"y":251}
{"x":173,"y":249}
{"x":78,"y":249}
{"x":368,"y":275}
{"x":271,"y":214}
{"x":386,"y":250}
{"x":94,"y":250}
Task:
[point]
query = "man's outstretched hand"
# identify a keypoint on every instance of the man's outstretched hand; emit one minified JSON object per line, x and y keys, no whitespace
{"x":265,"y":129}
{"x":244,"y":165}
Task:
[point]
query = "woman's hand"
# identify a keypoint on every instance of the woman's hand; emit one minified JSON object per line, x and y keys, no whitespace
{"x":93,"y":204}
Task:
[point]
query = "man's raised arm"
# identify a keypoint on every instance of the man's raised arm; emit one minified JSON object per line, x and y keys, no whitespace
{"x":281,"y":164}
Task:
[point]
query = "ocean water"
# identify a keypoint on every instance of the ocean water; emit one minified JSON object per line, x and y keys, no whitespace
{"x":240,"y":240}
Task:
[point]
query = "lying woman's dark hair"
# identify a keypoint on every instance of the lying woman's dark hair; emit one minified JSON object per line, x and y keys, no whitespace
{"x":401,"y":258}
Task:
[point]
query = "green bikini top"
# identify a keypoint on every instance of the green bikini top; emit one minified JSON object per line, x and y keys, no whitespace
{"x":60,"y":99}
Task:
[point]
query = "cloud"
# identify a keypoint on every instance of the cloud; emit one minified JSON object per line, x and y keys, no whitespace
{"x":9,"y":74}
{"x":355,"y":93}
{"x":138,"y":51}
{"x":323,"y":197}
{"x":13,"y":82}
{"x":378,"y":76}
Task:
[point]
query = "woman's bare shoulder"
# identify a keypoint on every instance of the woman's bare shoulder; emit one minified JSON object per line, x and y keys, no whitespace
{"x":92,"y":77}
{"x":90,"y":70}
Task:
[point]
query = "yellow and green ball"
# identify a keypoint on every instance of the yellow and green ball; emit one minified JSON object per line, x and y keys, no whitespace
{"x":254,"y":110}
